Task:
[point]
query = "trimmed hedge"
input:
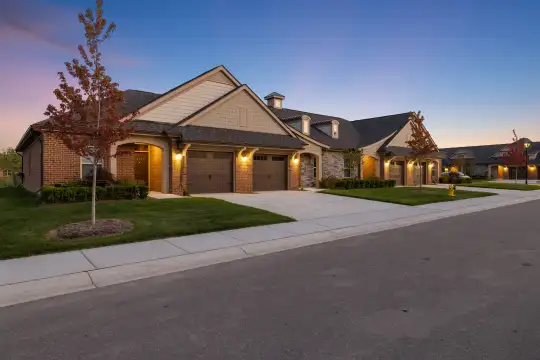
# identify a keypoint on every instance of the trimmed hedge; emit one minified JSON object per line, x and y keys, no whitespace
{"x":358,"y":184}
{"x":69,"y":194}
{"x":445,"y":179}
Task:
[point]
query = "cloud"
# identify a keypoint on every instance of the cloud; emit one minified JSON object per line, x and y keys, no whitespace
{"x":28,"y":21}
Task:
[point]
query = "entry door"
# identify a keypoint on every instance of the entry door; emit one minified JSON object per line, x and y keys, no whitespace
{"x":209,"y":172}
{"x":396,"y":172}
{"x":269,"y":172}
{"x":141,"y":167}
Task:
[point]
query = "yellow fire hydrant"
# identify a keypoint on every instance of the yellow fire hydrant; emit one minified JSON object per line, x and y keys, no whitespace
{"x":451,"y":189}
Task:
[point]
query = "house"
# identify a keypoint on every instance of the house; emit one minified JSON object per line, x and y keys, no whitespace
{"x":488,"y":161}
{"x":6,"y":172}
{"x":214,"y":134}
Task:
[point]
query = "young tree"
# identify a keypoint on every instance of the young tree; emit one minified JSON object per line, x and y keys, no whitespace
{"x":12,"y":157}
{"x":354,"y":160}
{"x":87,"y":119}
{"x":515,"y":154}
{"x":421,"y":144}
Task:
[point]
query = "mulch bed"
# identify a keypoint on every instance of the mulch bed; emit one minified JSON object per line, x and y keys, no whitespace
{"x":85,"y":229}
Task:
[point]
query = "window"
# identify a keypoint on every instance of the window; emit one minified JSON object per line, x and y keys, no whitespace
{"x":87,"y":166}
{"x":346,"y":168}
{"x":305,"y":126}
{"x":335,"y":129}
{"x":315,"y":167}
{"x":7,"y":172}
{"x":259,"y":157}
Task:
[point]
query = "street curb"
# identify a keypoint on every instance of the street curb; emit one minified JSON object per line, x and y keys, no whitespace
{"x":65,"y":284}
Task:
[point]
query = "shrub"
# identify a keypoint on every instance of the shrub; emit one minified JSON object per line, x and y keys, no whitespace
{"x":103,"y":178}
{"x":328,"y":182}
{"x":363,"y":184}
{"x":69,"y":194}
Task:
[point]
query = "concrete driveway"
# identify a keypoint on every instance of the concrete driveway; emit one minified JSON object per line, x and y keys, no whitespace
{"x":305,"y":205}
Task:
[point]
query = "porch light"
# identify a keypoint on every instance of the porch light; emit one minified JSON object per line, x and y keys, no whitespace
{"x":409,"y":164}
{"x":430,"y":165}
{"x":505,"y":168}
{"x":244,"y":158}
{"x":295,"y":160}
{"x":387,"y":163}
{"x":178,"y":156}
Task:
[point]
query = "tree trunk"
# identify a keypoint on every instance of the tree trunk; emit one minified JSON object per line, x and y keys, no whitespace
{"x":420,"y":175}
{"x":94,"y":181}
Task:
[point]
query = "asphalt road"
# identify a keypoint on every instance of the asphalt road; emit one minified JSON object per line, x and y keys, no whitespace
{"x":459,"y":288}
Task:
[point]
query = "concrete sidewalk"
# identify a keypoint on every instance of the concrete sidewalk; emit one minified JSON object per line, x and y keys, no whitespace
{"x":43,"y":276}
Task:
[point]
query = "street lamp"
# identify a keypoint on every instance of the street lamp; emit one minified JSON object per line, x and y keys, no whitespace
{"x":527,"y":145}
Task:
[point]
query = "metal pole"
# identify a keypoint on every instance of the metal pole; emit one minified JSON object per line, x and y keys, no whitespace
{"x":526,"y":165}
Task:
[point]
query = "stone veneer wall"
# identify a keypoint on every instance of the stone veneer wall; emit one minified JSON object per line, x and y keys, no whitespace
{"x":332,"y":163}
{"x":307,"y":177}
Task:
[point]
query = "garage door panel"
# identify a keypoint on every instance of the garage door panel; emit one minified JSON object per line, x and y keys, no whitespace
{"x":269,"y":172}
{"x":209,"y":172}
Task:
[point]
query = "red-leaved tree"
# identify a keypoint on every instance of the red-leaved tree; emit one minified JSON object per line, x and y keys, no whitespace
{"x":87,"y":118}
{"x":515,"y":154}
{"x":420,"y":142}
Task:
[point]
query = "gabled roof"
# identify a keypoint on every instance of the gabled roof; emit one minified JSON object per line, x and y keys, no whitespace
{"x":348,"y":136}
{"x":481,"y":153}
{"x":375,"y":129}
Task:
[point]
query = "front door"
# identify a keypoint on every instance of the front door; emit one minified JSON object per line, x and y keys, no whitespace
{"x":141,"y":167}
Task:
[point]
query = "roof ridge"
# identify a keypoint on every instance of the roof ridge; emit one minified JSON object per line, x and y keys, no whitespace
{"x":307,"y":112}
{"x":383,"y":116}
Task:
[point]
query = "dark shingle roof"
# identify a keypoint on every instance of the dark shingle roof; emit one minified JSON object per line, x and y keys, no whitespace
{"x":348,"y":136}
{"x":482,"y":153}
{"x":235,"y":137}
{"x":151,"y":127}
{"x":135,"y":99}
{"x":375,"y":129}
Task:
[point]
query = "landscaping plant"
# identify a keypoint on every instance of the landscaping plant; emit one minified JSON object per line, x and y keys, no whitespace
{"x":87,"y":119}
{"x":421,"y":144}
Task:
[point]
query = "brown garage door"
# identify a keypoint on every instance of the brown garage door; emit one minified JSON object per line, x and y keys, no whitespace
{"x":209,"y":172}
{"x":269,"y":172}
{"x":396,"y":171}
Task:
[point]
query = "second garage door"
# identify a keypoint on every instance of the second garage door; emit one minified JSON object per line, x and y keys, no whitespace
{"x":269,"y":172}
{"x":396,"y":171}
{"x":209,"y":172}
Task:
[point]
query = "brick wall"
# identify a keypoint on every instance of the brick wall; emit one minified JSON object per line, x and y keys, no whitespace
{"x":60,"y":164}
{"x":125,"y":162}
{"x":32,"y":166}
{"x":294,"y":174}
{"x":243,"y":175}
{"x":179,"y":171}
{"x":155,"y":156}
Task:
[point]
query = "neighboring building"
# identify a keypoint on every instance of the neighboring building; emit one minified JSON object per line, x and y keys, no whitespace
{"x":487,"y":161}
{"x":7,"y":173}
{"x":213,"y":134}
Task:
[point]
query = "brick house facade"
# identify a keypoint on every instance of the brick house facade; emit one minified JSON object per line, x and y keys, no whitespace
{"x":213,"y":134}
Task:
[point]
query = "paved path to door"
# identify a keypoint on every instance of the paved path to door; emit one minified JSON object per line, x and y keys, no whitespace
{"x":306,"y":205}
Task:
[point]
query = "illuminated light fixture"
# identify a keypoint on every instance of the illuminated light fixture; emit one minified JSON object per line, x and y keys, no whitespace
{"x":244,"y":158}
{"x":409,"y":164}
{"x":387,"y":163}
{"x":505,"y":168}
{"x":295,"y":160}
{"x":445,"y":169}
{"x":430,"y":165}
{"x":178,"y":156}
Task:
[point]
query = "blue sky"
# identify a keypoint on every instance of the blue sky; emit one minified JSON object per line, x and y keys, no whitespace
{"x":470,"y":66}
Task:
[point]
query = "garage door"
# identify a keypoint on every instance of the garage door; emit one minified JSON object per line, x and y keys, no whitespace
{"x":396,"y":171}
{"x":209,"y":172}
{"x":269,"y":172}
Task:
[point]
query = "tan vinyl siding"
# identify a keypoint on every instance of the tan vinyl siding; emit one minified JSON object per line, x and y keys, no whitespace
{"x":220,"y":77}
{"x":32,"y":166}
{"x":402,"y":137}
{"x":230,"y":115}
{"x":187,"y":102}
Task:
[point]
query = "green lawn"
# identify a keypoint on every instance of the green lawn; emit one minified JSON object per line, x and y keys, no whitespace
{"x":24,"y":226}
{"x":407,"y":195}
{"x":499,"y":185}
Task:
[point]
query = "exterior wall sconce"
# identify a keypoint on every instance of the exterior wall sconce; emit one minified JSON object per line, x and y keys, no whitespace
{"x":296,"y":158}
{"x":178,"y":156}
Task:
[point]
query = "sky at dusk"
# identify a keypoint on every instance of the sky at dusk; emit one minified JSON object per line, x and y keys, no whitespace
{"x":470,"y":66}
